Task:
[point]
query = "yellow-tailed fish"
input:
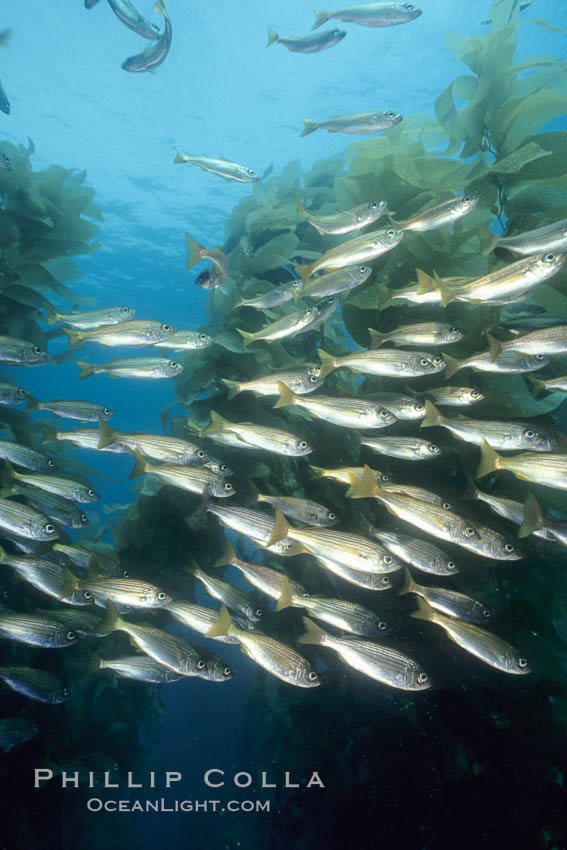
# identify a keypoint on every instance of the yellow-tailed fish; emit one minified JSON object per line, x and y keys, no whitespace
{"x":194,"y":479}
{"x":48,"y":577}
{"x":64,"y":487}
{"x":301,"y":380}
{"x":346,"y":412}
{"x":10,"y":394}
{"x":85,"y":438}
{"x":357,"y":251}
{"x":549,"y":385}
{"x":144,"y":368}
{"x":508,"y":362}
{"x":264,"y":578}
{"x":425,"y":333}
{"x":402,"y":406}
{"x":253,"y":436}
{"x":254,"y":524}
{"x":221,"y":167}
{"x":334,"y":282}
{"x":413,"y":492}
{"x":371,"y":14}
{"x":302,"y":510}
{"x":90,"y":319}
{"x":378,"y":662}
{"x":21,"y":521}
{"x":20,"y":352}
{"x":534,"y":522}
{"x":444,"y":213}
{"x":136,"y":332}
{"x":288,"y":325}
{"x":141,"y":668}
{"x":370,"y":581}
{"x":275,"y":657}
{"x":234,"y":599}
{"x":547,"y":469}
{"x":484,"y":645}
{"x":358,"y":123}
{"x":452,"y":396}
{"x":547,"y":341}
{"x":421,"y":554}
{"x":54,"y":506}
{"x":155,"y":446}
{"x":344,"y":221}
{"x":196,"y":617}
{"x":185,"y":341}
{"x":550,"y":237}
{"x":387,"y":362}
{"x":406,"y":448}
{"x":448,"y":602}
{"x":83,"y":558}
{"x":345,"y":473}
{"x":275,"y":297}
{"x":35,"y":630}
{"x":84,"y":411}
{"x":23,"y":456}
{"x":124,"y":591}
{"x":38,"y":685}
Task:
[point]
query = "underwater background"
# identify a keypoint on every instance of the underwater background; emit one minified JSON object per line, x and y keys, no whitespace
{"x":479,"y":760}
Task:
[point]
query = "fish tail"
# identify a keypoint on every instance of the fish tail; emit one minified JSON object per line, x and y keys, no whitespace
{"x":93,"y":665}
{"x":87,"y":369}
{"x":193,"y":427}
{"x":424,"y":611}
{"x":33,"y":403}
{"x":74,"y":337}
{"x":329,"y":363}
{"x":286,"y":396}
{"x":490,"y":461}
{"x":317,"y":471}
{"x":140,"y":466}
{"x":272,"y":36}
{"x":425,"y":281}
{"x":160,"y":8}
{"x":3,"y":555}
{"x":305,"y":272}
{"x":233,"y":387}
{"x":453,"y":365}
{"x":217,"y":421}
{"x":471,"y":491}
{"x":308,"y":127}
{"x":445,"y":292}
{"x":538,"y":387}
{"x":52,"y":315}
{"x":384,"y":296}
{"x":194,"y":251}
{"x":300,"y":208}
{"x":533,"y":517}
{"x":364,"y":487}
{"x":179,"y":157}
{"x":432,"y":416}
{"x":320,"y":18}
{"x":408,"y":585}
{"x":228,"y":556}
{"x":111,"y":622}
{"x":376,"y":338}
{"x":107,"y":435}
{"x":495,"y":347}
{"x":281,"y":529}
{"x":488,"y":240}
{"x":222,"y":625}
{"x":312,"y":634}
{"x":247,"y":337}
{"x":49,"y":433}
{"x":286,"y":595}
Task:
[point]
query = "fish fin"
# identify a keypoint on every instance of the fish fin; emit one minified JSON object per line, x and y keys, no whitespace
{"x":471,"y":491}
{"x":233,"y":387}
{"x":385,"y":296}
{"x":453,"y":365}
{"x":538,"y":387}
{"x":320,"y":18}
{"x":222,"y":625}
{"x":52,"y":315}
{"x":488,"y":241}
{"x":317,"y":471}
{"x":432,"y":416}
{"x":312,"y":634}
{"x":87,"y":369}
{"x":228,"y":556}
{"x":533,"y":518}
{"x":3,"y":555}
{"x":193,"y":427}
{"x":286,"y":396}
{"x":180,"y":157}
{"x":489,"y":460}
{"x":107,"y":435}
{"x":111,"y":622}
{"x":425,"y":281}
{"x":308,"y":127}
{"x":49,"y":433}
{"x":75,"y":337}
{"x":247,"y":337}
{"x":281,"y":529}
{"x":445,"y":292}
{"x":300,"y":208}
{"x":140,"y":466}
{"x":192,"y":568}
{"x":160,"y":8}
{"x":304,"y":272}
{"x":328,"y":363}
{"x":495,"y":347}
{"x":218,"y":421}
{"x":364,"y":487}
{"x":424,"y":611}
{"x":272,"y":36}
{"x":408,"y":584}
{"x":93,"y":664}
{"x":376,"y":338}
{"x":193,"y":251}
{"x":286,"y":595}
{"x":70,"y":584}
{"x":33,"y":403}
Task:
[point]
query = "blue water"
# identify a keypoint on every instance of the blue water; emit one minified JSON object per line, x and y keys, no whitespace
{"x":219,"y":93}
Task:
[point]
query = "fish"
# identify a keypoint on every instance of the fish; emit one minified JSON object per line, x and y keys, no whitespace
{"x":137,"y":332}
{"x":194,"y":479}
{"x":300,"y":379}
{"x":124,"y":591}
{"x":156,"y":53}
{"x":35,"y":630}
{"x":23,"y":456}
{"x":344,"y":221}
{"x":421,"y":554}
{"x":215,"y":669}
{"x":288,"y":325}
{"x":54,"y":506}
{"x":354,"y":551}
{"x":444,"y":213}
{"x":547,"y":341}
{"x":512,"y":283}
{"x":250,"y":436}
{"x":322,"y":312}
{"x":369,"y":581}
{"x":221,"y":167}
{"x":84,"y":558}
{"x":344,"y":474}
{"x":508,"y":362}
{"x":161,"y":447}
{"x":85,"y":438}
{"x":80,"y":620}
{"x":346,"y":412}
{"x":90,"y":3}
{"x":388,"y":362}
{"x":4,"y":101}
{"x":196,"y":253}
{"x":437,"y":521}
{"x":402,"y":406}
{"x":91,"y":319}
{"x":334,"y":282}
{"x":275,"y":657}
{"x":185,"y":341}
{"x":505,"y":435}
{"x":491,"y":649}
{"x":150,"y":368}
{"x":386,"y":665}
{"x":10,"y":394}
{"x":15,"y":731}
{"x":22,"y":521}
{"x":254,"y":524}
{"x":48,"y":577}
{"x":83,"y":411}
{"x":20,"y":352}
{"x":196,"y":617}
{"x":406,"y":448}
{"x":277,"y":296}
{"x":425,"y":333}
{"x":549,"y":385}
{"x":359,"y":250}
{"x":264,"y":578}
{"x":419,"y":493}
{"x":359,"y":124}
{"x":38,"y":685}
{"x":371,"y":14}
{"x":307,"y":43}
{"x":5,"y":164}
{"x":301,"y":510}
{"x":551,"y":237}
{"x":234,"y":599}
{"x":130,"y":17}
{"x":452,"y":396}
{"x":141,"y":668}
{"x":547,"y":469}
{"x":64,"y":487}
{"x":342,"y":615}
{"x":163,"y":647}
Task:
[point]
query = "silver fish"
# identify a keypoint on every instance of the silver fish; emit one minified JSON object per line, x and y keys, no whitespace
{"x":221,"y":167}
{"x":185,"y":341}
{"x":335,"y":281}
{"x":302,"y":510}
{"x":135,"y":333}
{"x":371,"y":14}
{"x":196,"y":617}
{"x":36,"y":684}
{"x":34,"y":630}
{"x":421,"y":554}
{"x":233,"y":598}
{"x":90,"y":319}
{"x":388,"y":362}
{"x":301,"y":380}
{"x":264,"y":578}
{"x":9,"y":394}
{"x":550,"y":237}
{"x":130,"y":17}
{"x":406,"y":448}
{"x":307,"y":43}
{"x":425,"y":333}
{"x":24,"y":456}
{"x":21,"y":521}
{"x":439,"y":215}
{"x":132,"y":367}
{"x":448,"y":602}
{"x":346,"y":412}
{"x":84,"y":411}
{"x":20,"y":352}
{"x":141,"y":668}
{"x":154,"y":54}
{"x":344,"y":221}
{"x":363,"y":122}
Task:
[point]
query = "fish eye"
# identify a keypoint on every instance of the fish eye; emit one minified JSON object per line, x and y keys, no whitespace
{"x":335,"y":32}
{"x":455,"y":330}
{"x":107,"y":411}
{"x":227,"y":671}
{"x":469,"y":531}
{"x":540,"y":357}
{"x":21,"y":392}
{"x":381,"y":626}
{"x":314,"y":379}
{"x":385,"y":414}
{"x":522,"y":662}
{"x":486,"y":613}
{"x":200,"y":665}
{"x":509,"y":548}
{"x":166,"y":328}
{"x":476,"y":394}
{"x":390,"y":115}
{"x":87,"y":594}
{"x":173,"y":364}
{"x":390,"y":233}
{"x":388,"y":560}
{"x":373,"y":206}
{"x":549,"y":258}
{"x":91,"y":493}
{"x":424,"y":362}
{"x":125,"y":574}
{"x":303,"y":445}
{"x":36,"y":349}
{"x":51,"y":463}
{"x":258,"y":612}
{"x":224,"y":467}
{"x":447,"y":506}
{"x":384,"y":478}
{"x":419,"y":405}
{"x":161,"y":596}
{"x":451,"y":565}
{"x":200,"y":453}
{"x":385,"y":581}
{"x":125,"y":311}
{"x":433,"y":448}
{"x":251,"y":173}
{"x":49,"y":528}
{"x":66,"y":692}
{"x":71,"y":636}
{"x":84,"y":519}
{"x":312,"y":676}
{"x":227,"y":487}
{"x":437,"y":360}
{"x":331,"y":515}
{"x":203,"y":337}
{"x":467,"y":199}
{"x":529,"y":435}
{"x":422,"y":677}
